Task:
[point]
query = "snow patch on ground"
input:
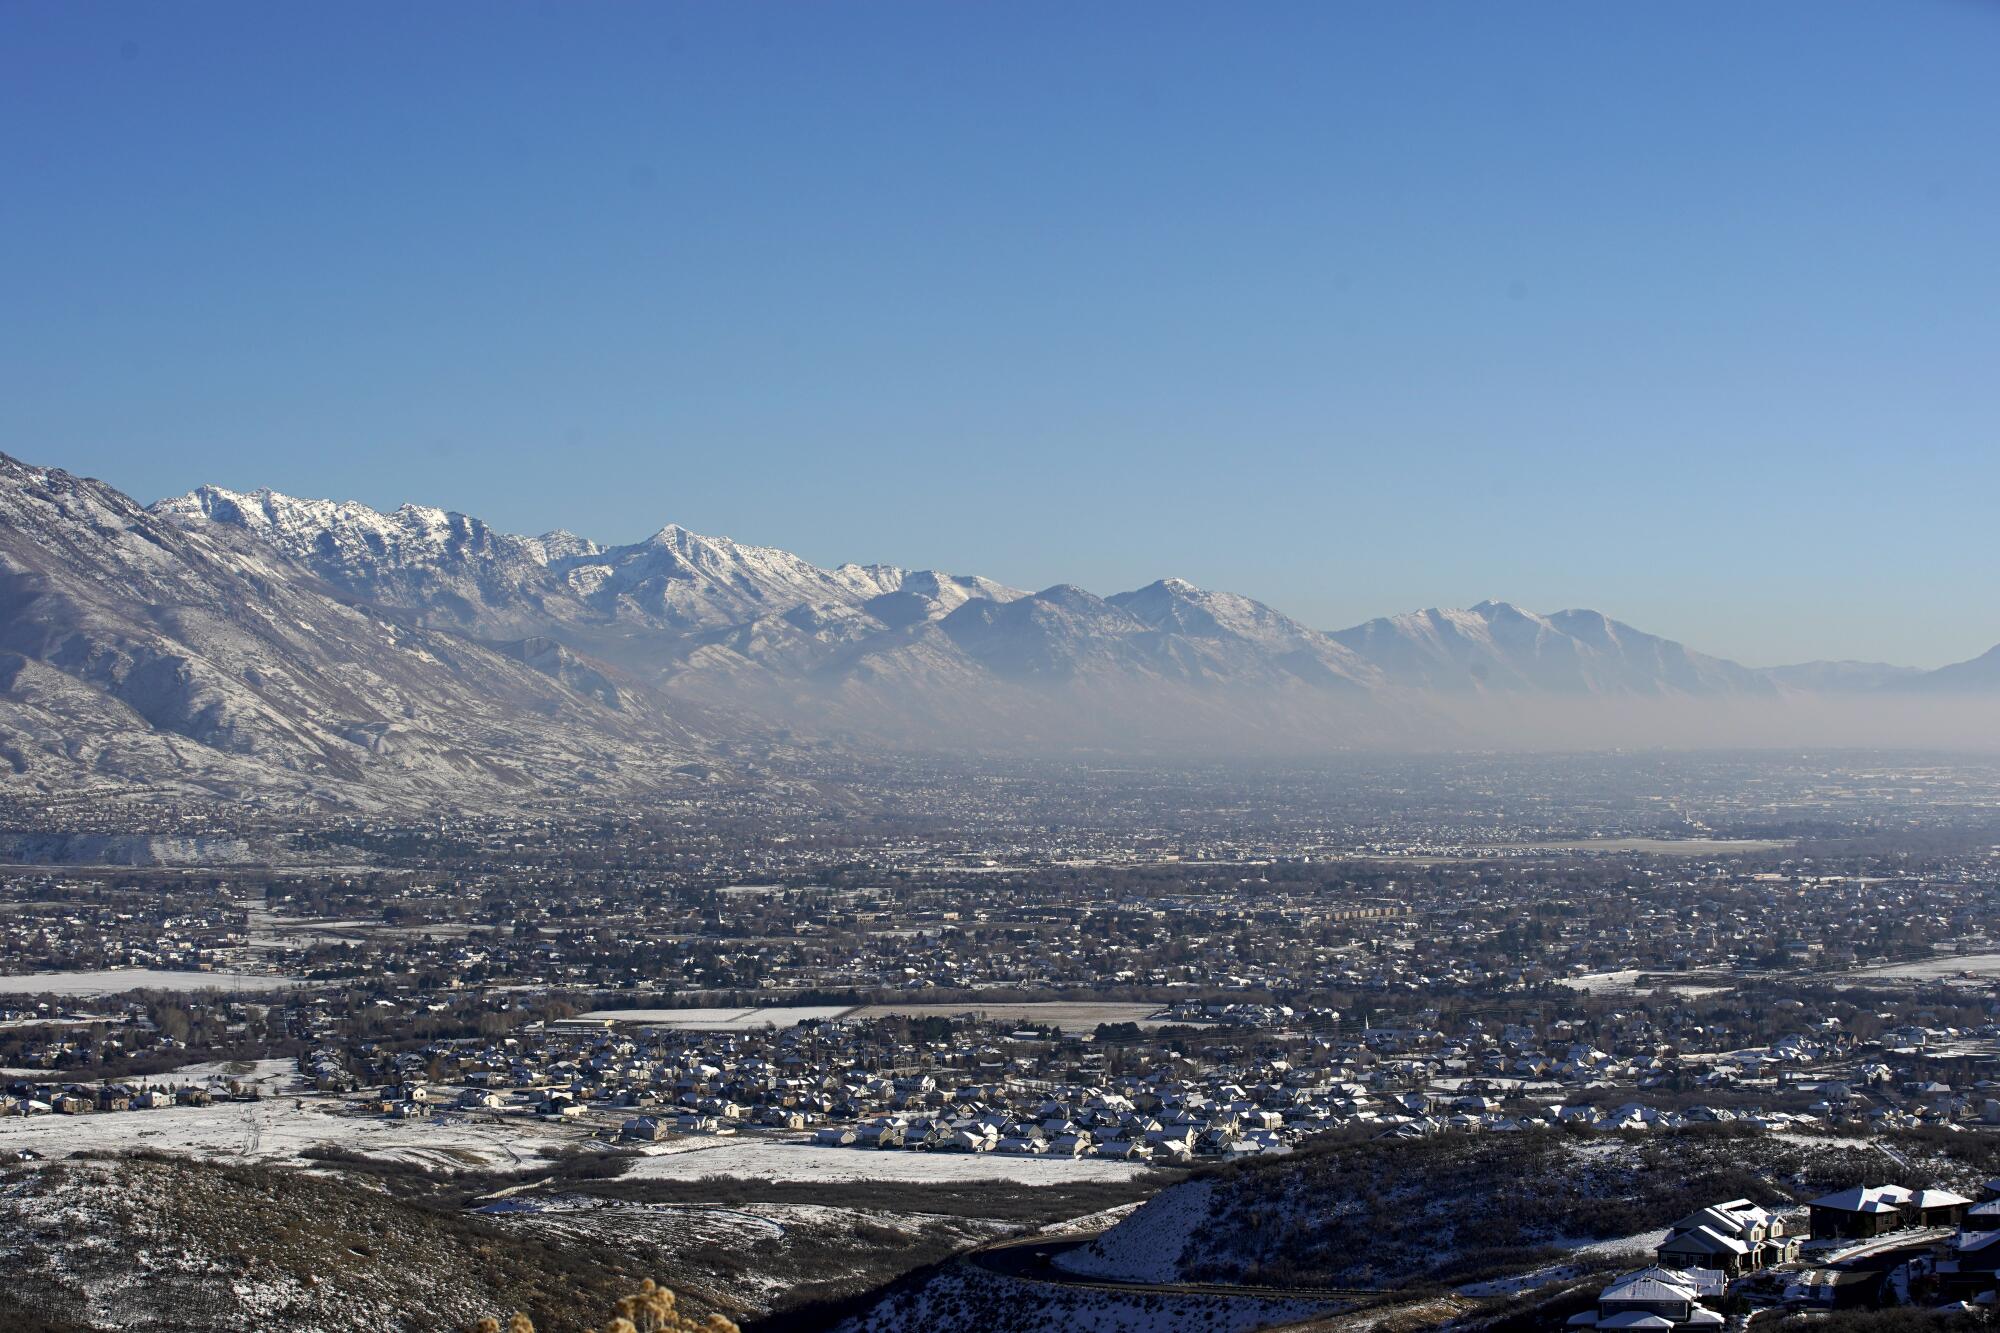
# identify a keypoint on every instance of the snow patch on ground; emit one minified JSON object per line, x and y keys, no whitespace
{"x":1643,"y":1243}
{"x":1147,"y":1245}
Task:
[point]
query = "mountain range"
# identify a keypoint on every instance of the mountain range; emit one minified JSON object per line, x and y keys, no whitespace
{"x":261,"y":645}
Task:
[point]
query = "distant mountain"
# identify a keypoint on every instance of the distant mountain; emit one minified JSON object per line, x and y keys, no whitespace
{"x":140,"y":651}
{"x":253,"y":642}
{"x":698,"y":611}
{"x":1833,"y":677}
{"x":1496,"y":647}
{"x":1981,"y":675}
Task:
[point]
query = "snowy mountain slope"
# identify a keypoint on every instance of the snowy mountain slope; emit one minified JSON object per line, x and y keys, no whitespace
{"x":878,"y":653}
{"x":453,"y":568}
{"x":1497,"y":647}
{"x":645,"y":602}
{"x":1239,"y":632}
{"x":680,"y":605}
{"x":137,"y":650}
{"x":683,"y":580}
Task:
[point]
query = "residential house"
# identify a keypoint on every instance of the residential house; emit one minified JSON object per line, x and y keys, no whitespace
{"x":1655,"y":1300}
{"x":1861,"y":1212}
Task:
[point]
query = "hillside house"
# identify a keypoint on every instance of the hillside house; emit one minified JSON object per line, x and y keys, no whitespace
{"x":1655,"y":1300}
{"x":1734,"y":1238}
{"x":1938,"y":1208}
{"x":1861,"y":1212}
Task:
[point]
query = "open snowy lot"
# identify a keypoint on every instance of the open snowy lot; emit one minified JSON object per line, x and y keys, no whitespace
{"x":1654,"y":846}
{"x":722,"y":1020}
{"x":1981,"y":966}
{"x":793,"y":1160}
{"x":114,"y":980}
{"x":1626,"y":981}
{"x":1071,"y":1016}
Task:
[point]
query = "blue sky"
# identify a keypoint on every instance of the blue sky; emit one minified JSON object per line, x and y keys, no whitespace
{"x":1690,"y":313}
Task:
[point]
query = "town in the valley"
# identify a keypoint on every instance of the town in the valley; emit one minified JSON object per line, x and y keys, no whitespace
{"x":583,"y":1016}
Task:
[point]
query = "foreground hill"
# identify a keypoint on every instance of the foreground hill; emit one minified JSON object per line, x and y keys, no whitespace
{"x":155,"y":1244}
{"x":1470,"y":1230}
{"x":1392,"y":1213}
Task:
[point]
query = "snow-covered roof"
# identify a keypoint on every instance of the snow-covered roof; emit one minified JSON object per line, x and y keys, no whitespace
{"x":1866,"y":1199}
{"x":1936,"y":1198}
{"x":1652,"y":1284}
{"x":1707,"y":1240}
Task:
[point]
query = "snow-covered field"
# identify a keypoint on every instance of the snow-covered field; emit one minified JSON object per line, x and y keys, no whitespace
{"x":1653,"y":846}
{"x":790,"y":1160}
{"x":1982,"y":965}
{"x":1069,"y":1015}
{"x":269,"y":1076}
{"x":113,"y":980}
{"x":722,"y":1020}
{"x":1626,"y":980}
{"x":279,"y":1130}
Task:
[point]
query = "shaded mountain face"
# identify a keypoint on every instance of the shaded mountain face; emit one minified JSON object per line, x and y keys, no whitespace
{"x":1843,"y":677}
{"x":1981,"y":675}
{"x":135,"y":650}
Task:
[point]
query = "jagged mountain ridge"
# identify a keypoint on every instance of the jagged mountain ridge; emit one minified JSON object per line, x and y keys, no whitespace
{"x":450,"y":568}
{"x":686,"y":609}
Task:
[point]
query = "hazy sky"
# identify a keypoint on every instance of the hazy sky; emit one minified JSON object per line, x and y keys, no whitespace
{"x":1687,"y":312}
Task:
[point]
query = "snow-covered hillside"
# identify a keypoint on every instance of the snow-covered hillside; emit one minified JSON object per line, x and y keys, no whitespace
{"x":138,"y":650}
